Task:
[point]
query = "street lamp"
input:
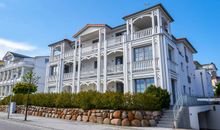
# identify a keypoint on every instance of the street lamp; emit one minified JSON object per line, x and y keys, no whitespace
{"x":9,"y":105}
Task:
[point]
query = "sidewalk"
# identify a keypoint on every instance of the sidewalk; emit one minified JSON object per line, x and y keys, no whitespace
{"x":58,"y":124}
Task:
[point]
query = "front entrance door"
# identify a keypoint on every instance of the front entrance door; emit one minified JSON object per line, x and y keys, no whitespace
{"x":173,"y":90}
{"x":120,"y":87}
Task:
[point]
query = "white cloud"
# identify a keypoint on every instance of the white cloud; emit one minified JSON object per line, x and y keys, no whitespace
{"x":2,"y":5}
{"x":9,"y":45}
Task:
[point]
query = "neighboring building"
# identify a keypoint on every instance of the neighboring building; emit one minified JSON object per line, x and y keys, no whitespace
{"x":14,"y":68}
{"x":126,"y":58}
{"x":211,"y":69}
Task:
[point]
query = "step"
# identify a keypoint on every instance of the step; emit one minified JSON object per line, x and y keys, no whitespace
{"x":166,"y":122}
{"x":165,"y":125}
{"x":167,"y":116}
{"x":166,"y":119}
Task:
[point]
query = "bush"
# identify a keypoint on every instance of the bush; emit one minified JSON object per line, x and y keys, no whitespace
{"x":217,"y":90}
{"x":152,"y":99}
{"x":163,"y":95}
{"x":24,"y":88}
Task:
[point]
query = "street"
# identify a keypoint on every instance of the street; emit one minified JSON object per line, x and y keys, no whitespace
{"x":12,"y":125}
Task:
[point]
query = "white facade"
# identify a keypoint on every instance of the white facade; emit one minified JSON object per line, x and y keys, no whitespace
{"x":16,"y":66}
{"x":126,"y":58}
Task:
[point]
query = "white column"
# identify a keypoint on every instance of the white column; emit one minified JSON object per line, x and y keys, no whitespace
{"x":79,"y":65}
{"x":152,"y":18}
{"x":47,"y":78}
{"x":99,"y":62}
{"x":22,"y":72}
{"x":154,"y":60}
{"x":165,"y":48}
{"x":131,"y":58}
{"x":74,"y":68}
{"x":159,"y":22}
{"x":105,"y":63}
{"x":125,"y":64}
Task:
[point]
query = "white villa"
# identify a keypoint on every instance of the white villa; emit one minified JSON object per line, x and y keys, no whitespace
{"x":126,"y":58}
{"x":15,"y":66}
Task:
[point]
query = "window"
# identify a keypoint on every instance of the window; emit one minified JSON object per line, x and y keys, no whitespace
{"x":143,"y":53}
{"x":190,"y":91}
{"x":118,"y":60}
{"x":95,"y":64}
{"x":120,"y":33}
{"x":53,"y":70}
{"x":95,"y":41}
{"x":142,"y":84}
{"x":182,"y":68}
{"x":186,"y":57}
{"x":184,"y":90}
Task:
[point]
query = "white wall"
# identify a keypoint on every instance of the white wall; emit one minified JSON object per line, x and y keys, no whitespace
{"x":40,"y":70}
{"x":206,"y":79}
{"x":209,"y":118}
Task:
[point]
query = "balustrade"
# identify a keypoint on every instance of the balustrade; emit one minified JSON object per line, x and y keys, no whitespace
{"x":115,"y":68}
{"x":67,"y":76}
{"x":142,"y":33}
{"x":142,"y":65}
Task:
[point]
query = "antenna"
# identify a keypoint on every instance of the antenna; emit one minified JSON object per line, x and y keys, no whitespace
{"x":145,"y":4}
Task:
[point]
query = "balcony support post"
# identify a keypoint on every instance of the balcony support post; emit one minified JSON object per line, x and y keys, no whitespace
{"x":125,"y":64}
{"x":99,"y":61}
{"x":154,"y":59}
{"x":152,"y":20}
{"x":79,"y":65}
{"x":47,"y":78}
{"x":74,"y":68}
{"x":105,"y":63}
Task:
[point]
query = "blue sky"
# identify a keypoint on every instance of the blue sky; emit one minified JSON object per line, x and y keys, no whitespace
{"x":28,"y":26}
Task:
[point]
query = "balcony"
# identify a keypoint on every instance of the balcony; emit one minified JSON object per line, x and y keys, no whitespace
{"x":68,"y":54}
{"x":142,"y":65}
{"x":115,"y":69}
{"x":54,"y":58}
{"x":67,"y":76}
{"x":89,"y":49}
{"x":52,"y":78}
{"x":142,"y":33}
{"x":17,"y":64}
{"x":114,"y":41}
{"x":89,"y":73}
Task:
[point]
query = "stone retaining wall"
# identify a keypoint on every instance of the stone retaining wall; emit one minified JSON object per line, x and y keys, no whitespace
{"x":114,"y":117}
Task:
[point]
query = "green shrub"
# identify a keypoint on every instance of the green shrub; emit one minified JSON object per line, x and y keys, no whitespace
{"x":163,"y":95}
{"x":112,"y":100}
{"x":153,"y":99}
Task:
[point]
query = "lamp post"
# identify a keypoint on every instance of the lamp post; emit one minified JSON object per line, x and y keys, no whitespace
{"x":9,"y":105}
{"x":26,"y":110}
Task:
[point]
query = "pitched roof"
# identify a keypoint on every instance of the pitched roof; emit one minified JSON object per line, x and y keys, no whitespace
{"x":64,"y":40}
{"x":18,"y":55}
{"x":90,"y":25}
{"x":187,"y":44}
{"x":150,"y":8}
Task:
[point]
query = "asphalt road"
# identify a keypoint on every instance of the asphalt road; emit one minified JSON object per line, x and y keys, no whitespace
{"x":12,"y":125}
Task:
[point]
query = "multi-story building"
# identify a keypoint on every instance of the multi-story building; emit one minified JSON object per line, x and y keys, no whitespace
{"x":126,"y":58}
{"x":16,"y":66}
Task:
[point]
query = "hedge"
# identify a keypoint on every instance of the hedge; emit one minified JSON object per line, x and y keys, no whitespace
{"x":91,"y":100}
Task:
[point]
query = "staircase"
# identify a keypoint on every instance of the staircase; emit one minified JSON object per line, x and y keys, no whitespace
{"x":167,"y":120}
